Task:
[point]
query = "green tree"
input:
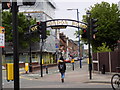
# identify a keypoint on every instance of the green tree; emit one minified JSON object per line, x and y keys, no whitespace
{"x":23,"y":25}
{"x":109,"y":26}
{"x":103,"y":48}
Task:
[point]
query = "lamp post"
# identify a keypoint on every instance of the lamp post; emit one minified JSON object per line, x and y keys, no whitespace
{"x":30,"y":62}
{"x":78,"y":36}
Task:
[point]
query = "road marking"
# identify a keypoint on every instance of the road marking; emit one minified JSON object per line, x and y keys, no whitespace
{"x":101,"y":83}
{"x":25,"y":78}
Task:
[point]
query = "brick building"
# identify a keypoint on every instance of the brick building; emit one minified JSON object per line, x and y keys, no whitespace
{"x":68,"y":46}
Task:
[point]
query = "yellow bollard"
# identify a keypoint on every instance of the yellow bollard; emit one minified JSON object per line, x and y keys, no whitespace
{"x":72,"y":61}
{"x":26,"y":67}
{"x":10,"y":71}
{"x":42,"y":61}
{"x":88,"y":60}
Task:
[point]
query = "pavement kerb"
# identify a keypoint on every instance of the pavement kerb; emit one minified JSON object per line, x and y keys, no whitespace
{"x":97,"y":77}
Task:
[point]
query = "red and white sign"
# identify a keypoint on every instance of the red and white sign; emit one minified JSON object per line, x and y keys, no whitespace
{"x":2,"y":37}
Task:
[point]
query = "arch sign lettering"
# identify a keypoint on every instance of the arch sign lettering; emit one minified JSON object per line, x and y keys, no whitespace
{"x":63,"y":23}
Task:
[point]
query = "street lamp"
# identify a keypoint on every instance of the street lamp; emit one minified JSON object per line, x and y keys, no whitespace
{"x":30,"y":62}
{"x":88,"y":13}
{"x":78,"y":36}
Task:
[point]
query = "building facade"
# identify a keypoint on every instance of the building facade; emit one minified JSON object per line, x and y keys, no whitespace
{"x":67,"y":46}
{"x":42,"y":10}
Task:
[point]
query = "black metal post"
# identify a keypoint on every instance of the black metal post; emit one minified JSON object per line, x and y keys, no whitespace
{"x":15,"y":44}
{"x":46,"y":69}
{"x":73,"y":66}
{"x":79,"y":39}
{"x":29,"y":28}
{"x":30,"y":63}
{"x":0,"y":50}
{"x":41,"y":68}
{"x":0,"y":68}
{"x":89,"y":40}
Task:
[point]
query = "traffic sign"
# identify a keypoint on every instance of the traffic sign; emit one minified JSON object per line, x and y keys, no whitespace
{"x":2,"y":37}
{"x":56,"y":45}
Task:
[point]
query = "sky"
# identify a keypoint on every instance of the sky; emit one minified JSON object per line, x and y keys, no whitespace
{"x":62,"y":12}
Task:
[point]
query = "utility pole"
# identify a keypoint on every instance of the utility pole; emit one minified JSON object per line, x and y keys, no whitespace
{"x":15,"y":44}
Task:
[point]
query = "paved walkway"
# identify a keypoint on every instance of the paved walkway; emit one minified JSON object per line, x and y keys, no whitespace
{"x":73,"y":79}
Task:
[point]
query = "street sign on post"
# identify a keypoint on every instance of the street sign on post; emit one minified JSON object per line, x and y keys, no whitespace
{"x":2,"y":37}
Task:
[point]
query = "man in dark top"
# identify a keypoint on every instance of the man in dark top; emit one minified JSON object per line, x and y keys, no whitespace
{"x":62,"y":68}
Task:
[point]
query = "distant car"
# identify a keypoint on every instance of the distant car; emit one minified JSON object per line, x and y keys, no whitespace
{"x":67,"y":60}
{"x":76,"y":58}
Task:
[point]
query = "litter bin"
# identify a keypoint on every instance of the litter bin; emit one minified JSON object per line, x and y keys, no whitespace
{"x":103,"y":69}
{"x":10,"y":72}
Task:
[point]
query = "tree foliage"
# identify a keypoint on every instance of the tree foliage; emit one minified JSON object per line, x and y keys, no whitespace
{"x":109,"y":26}
{"x":103,"y":48}
{"x":23,"y":27}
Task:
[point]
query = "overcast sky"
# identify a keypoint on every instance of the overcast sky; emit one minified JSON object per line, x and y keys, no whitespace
{"x":63,"y":13}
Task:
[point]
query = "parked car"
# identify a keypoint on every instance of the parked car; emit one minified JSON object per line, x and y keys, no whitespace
{"x":67,"y":60}
{"x":77,"y":58}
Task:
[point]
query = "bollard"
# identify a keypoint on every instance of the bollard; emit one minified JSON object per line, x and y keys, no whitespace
{"x":80,"y":63}
{"x":10,"y":72}
{"x":46,"y":69}
{"x":103,"y":69}
{"x":73,"y":66}
{"x":26,"y":67}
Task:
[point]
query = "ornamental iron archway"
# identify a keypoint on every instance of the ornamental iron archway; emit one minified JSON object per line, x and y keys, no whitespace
{"x":63,"y":23}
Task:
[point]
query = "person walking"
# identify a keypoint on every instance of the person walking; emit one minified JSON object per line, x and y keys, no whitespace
{"x":62,"y":68}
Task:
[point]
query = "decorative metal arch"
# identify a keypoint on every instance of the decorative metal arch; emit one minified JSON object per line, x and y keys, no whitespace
{"x":63,"y":23}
